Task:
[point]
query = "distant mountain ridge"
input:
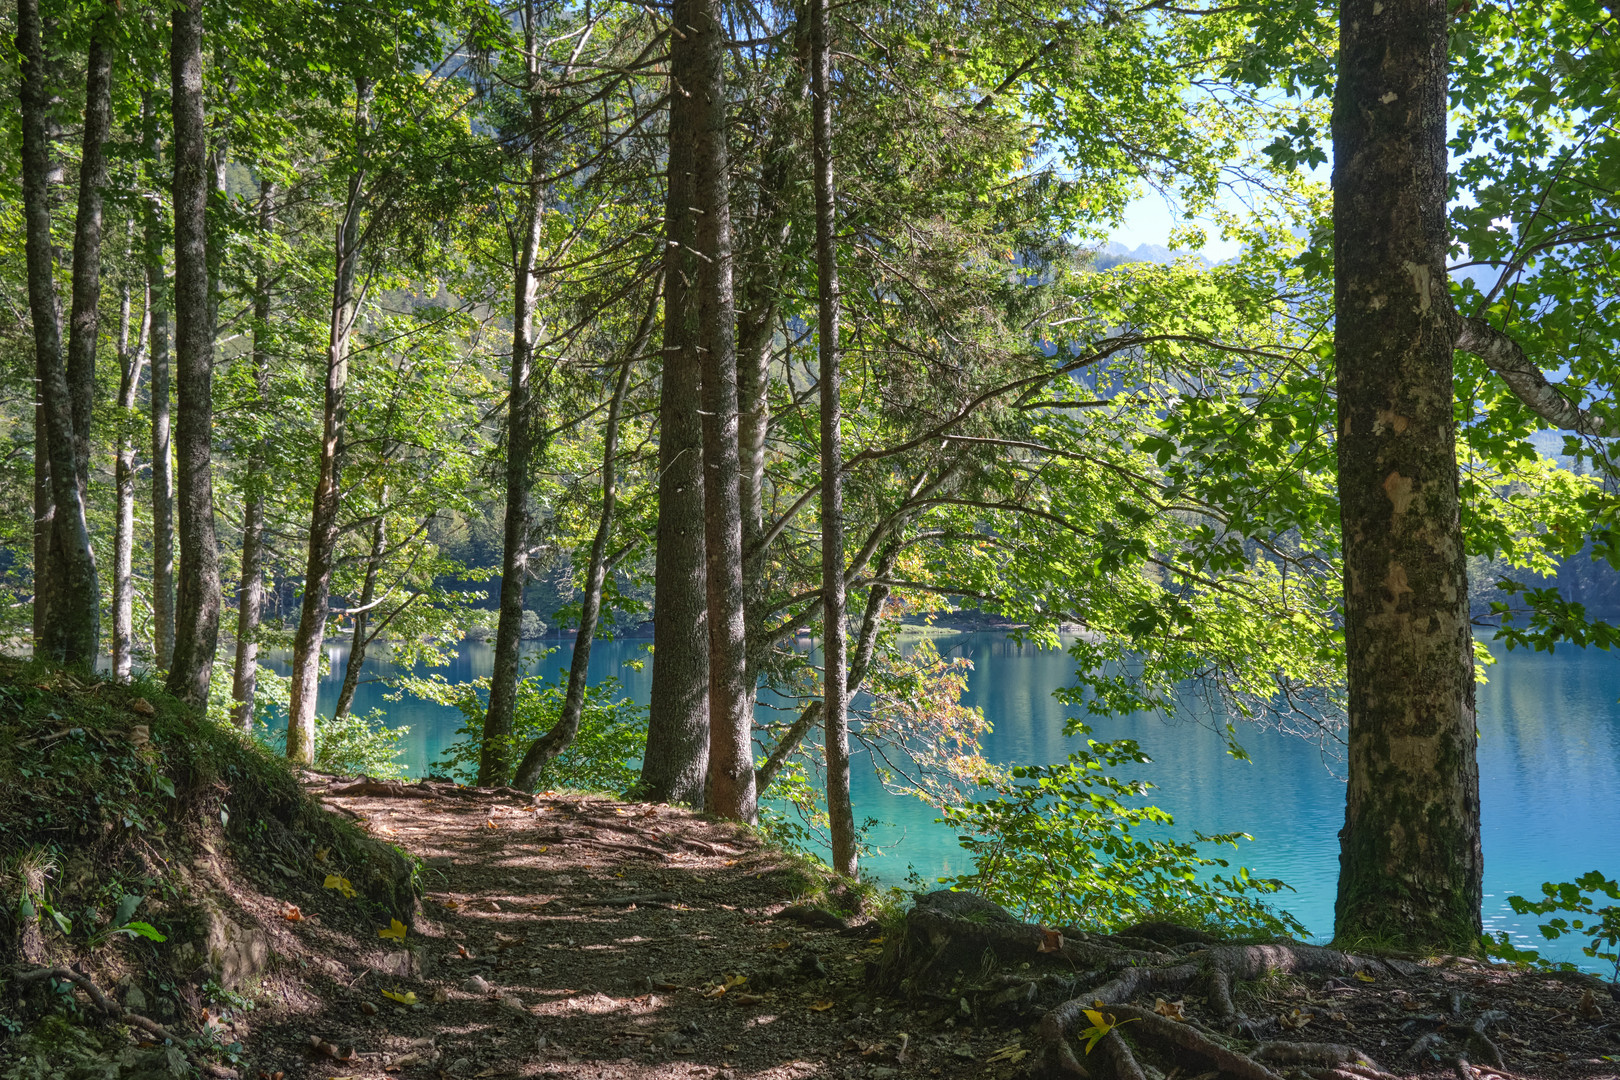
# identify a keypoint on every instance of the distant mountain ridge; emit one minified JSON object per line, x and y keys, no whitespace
{"x":1114,"y":253}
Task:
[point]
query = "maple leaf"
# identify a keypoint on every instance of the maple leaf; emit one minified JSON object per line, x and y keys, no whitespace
{"x":341,"y":884}
{"x":404,"y":998}
{"x":395,"y":930}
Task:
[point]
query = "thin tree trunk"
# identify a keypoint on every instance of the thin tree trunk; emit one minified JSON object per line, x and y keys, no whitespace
{"x":495,"y":752}
{"x":675,"y":766}
{"x":71,"y":628}
{"x":84,"y":321}
{"x":196,"y":637}
{"x":731,"y":760}
{"x":131,"y":357}
{"x":545,"y":749}
{"x":835,"y":714}
{"x":1410,"y":850}
{"x":250,"y":592}
{"x":310,"y":638}
{"x":162,"y":453}
{"x":359,"y":640}
{"x":44,"y":515}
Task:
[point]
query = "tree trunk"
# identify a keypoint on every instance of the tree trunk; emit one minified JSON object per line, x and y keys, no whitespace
{"x":71,"y":627}
{"x":131,"y":357}
{"x":250,"y":591}
{"x":495,"y":753}
{"x":162,"y":455}
{"x":676,"y":762}
{"x":362,"y":618}
{"x":731,"y":759}
{"x":545,"y":749}
{"x":1410,"y":850}
{"x":835,"y":712}
{"x":310,"y":638}
{"x":84,"y":322}
{"x":196,"y":636}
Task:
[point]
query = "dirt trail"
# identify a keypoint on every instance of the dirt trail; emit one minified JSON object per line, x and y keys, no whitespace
{"x":581,"y":937}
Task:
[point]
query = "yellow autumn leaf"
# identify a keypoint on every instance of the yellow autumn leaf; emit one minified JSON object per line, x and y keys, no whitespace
{"x":734,"y":981}
{"x":404,"y":998}
{"x":1364,"y":977}
{"x":821,"y":1006}
{"x":395,"y":930}
{"x":341,"y":884}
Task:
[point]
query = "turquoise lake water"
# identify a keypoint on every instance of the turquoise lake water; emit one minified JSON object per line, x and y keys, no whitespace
{"x":1549,"y":762}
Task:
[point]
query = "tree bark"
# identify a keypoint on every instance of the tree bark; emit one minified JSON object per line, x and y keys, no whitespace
{"x":250,"y":591}
{"x":545,"y":749}
{"x":731,"y":760}
{"x":131,"y":357}
{"x":310,"y":638}
{"x":675,"y":765}
{"x":360,"y":640}
{"x":495,"y":753}
{"x":835,"y":711}
{"x":71,"y":627}
{"x":84,"y":321}
{"x":196,"y":636}
{"x":1410,"y":850}
{"x":162,"y":453}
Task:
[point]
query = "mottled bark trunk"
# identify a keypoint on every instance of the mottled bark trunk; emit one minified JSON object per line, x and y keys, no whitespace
{"x":250,"y":591}
{"x":159,"y":390}
{"x":71,"y":627}
{"x":674,"y":767}
{"x":495,"y":753}
{"x":44,"y":517}
{"x":359,"y":640}
{"x":310,"y":638}
{"x":731,"y":761}
{"x":84,"y":320}
{"x":131,"y":358}
{"x":835,"y":712}
{"x":196,"y":630}
{"x":1410,"y":850}
{"x":545,"y":749}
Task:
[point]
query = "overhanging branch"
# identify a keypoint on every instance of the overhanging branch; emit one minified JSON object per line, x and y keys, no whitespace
{"x":1506,"y":357}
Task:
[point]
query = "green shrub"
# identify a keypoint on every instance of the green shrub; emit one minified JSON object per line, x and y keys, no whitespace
{"x":1058,"y":844}
{"x":604,"y":756}
{"x":359,"y":744}
{"x":1578,"y":897}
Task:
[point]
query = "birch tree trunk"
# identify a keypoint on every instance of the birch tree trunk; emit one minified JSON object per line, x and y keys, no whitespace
{"x":159,"y":390}
{"x":835,"y":711}
{"x":674,"y":767}
{"x":731,"y":762}
{"x":250,"y":593}
{"x":1410,"y":850}
{"x":71,"y":627}
{"x":310,"y":639}
{"x":131,"y":358}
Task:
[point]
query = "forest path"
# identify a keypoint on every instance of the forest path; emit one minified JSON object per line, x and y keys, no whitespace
{"x":578,"y":936}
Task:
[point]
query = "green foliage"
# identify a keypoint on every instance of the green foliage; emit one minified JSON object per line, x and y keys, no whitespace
{"x":604,"y":756}
{"x":1601,"y":927}
{"x":359,"y":744}
{"x":1062,"y":845}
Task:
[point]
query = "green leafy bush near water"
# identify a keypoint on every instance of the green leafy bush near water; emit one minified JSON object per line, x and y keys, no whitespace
{"x":349,"y":747}
{"x":1600,"y":926}
{"x":604,"y":756}
{"x":1061,"y":845}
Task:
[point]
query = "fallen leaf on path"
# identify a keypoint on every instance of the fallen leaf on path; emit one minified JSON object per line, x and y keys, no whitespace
{"x":321,"y":1048}
{"x":322,"y":853}
{"x":734,"y":981}
{"x":821,"y":1006}
{"x":395,"y":930}
{"x":543,"y":848}
{"x":780,"y":945}
{"x":491,"y":825}
{"x":142,"y":706}
{"x":341,"y":884}
{"x":1294,"y":1019}
{"x":292,"y":914}
{"x":1051,"y":941}
{"x":1364,"y":977}
{"x":1172,"y":1009}
{"x":1588,"y":1007}
{"x":407,"y":997}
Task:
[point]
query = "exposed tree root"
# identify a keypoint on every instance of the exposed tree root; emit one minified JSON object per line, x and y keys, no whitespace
{"x":1119,"y":1055}
{"x":116,"y":1012}
{"x":1330,"y":1055}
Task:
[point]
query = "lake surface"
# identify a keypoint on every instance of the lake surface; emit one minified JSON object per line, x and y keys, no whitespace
{"x":1549,"y":761}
